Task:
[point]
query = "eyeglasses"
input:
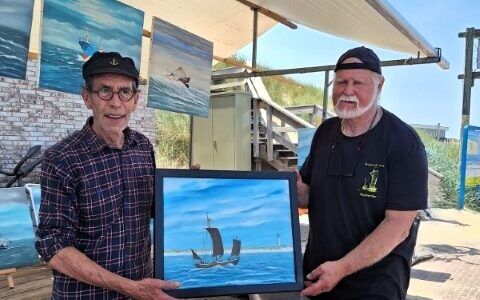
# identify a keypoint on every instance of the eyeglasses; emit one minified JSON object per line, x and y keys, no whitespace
{"x":106,"y":93}
{"x":338,"y":157}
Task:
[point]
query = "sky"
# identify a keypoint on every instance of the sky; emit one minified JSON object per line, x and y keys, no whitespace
{"x":16,"y":222}
{"x":237,"y":208}
{"x":16,"y":14}
{"x":419,"y":94}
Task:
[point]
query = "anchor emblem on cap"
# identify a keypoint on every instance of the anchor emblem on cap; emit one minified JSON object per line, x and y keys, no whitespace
{"x":114,"y":62}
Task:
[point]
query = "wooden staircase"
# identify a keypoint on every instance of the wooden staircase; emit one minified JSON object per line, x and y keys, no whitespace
{"x":274,"y":128}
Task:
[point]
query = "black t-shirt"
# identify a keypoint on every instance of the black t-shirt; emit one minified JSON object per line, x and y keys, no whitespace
{"x":353,"y":180}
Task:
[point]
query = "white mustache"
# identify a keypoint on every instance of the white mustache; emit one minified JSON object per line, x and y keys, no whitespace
{"x":352,"y":98}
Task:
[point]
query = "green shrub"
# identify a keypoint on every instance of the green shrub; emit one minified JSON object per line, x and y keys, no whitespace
{"x":444,"y":157}
{"x":172,"y":140}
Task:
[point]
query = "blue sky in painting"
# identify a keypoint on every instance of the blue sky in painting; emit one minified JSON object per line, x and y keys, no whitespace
{"x":242,"y":208}
{"x":119,"y":25}
{"x":16,"y":222}
{"x":16,"y":14}
{"x":173,"y":47}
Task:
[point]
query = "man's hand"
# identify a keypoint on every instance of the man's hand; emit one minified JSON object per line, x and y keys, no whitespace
{"x":150,"y":288}
{"x":303,"y":191}
{"x":324,"y":278}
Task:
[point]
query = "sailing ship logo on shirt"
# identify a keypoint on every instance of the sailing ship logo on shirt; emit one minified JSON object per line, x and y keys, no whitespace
{"x":369,"y":187}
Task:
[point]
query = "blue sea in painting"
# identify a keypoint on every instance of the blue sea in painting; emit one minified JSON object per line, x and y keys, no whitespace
{"x":19,"y":253}
{"x":58,"y":62}
{"x":13,"y":52}
{"x":253,"y":268}
{"x":173,"y":95}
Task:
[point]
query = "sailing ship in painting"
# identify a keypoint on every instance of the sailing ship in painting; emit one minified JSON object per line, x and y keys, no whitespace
{"x":179,"y":75}
{"x":217,"y":251}
{"x":4,"y":243}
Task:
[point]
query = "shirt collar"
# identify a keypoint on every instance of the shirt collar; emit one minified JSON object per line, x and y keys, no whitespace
{"x":97,"y":144}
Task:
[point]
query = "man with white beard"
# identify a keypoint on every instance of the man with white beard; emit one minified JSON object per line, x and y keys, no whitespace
{"x":362,"y":182}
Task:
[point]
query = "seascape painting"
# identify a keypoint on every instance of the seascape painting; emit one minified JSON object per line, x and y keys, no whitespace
{"x":73,"y":30}
{"x":305,"y":136}
{"x":227,"y":232}
{"x":15,"y":25}
{"x":180,"y":70}
{"x":17,"y":240}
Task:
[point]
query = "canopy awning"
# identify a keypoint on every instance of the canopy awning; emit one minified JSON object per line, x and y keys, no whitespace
{"x":372,"y":22}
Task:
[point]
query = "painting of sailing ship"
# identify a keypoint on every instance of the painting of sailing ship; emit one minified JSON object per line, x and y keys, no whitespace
{"x":223,"y":232}
{"x":217,"y":250}
{"x":73,"y":30}
{"x":17,"y":240}
{"x":15,"y":25}
{"x":180,"y":70}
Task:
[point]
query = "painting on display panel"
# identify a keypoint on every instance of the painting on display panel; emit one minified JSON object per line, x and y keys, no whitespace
{"x":180,"y":70}
{"x":17,"y":239}
{"x":305,"y":137}
{"x":73,"y":30}
{"x":15,"y":25}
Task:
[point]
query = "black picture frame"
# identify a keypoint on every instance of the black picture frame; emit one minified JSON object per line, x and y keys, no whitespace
{"x":258,"y":192}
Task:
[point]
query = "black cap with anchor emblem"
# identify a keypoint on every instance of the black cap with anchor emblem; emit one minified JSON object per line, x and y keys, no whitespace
{"x":109,"y":62}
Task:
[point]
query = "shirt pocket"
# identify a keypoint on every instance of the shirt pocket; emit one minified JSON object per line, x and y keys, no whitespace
{"x":99,"y":208}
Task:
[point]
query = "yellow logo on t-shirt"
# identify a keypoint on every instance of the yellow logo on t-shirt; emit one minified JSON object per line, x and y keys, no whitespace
{"x":369,"y":187}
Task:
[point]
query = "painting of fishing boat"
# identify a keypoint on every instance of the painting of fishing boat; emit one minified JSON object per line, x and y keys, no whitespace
{"x":17,"y":239}
{"x":15,"y":25}
{"x":226,"y":232}
{"x":180,"y":70}
{"x":217,"y":250}
{"x":90,"y":26}
{"x":88,"y":46}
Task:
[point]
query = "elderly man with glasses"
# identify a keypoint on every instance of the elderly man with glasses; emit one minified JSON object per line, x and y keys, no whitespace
{"x":97,"y":193}
{"x":362,"y":182}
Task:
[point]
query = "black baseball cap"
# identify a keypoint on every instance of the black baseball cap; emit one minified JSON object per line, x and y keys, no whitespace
{"x":109,"y":62}
{"x":370,"y":60}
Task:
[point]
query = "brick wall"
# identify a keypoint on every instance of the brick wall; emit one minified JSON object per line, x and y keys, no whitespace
{"x":33,"y":116}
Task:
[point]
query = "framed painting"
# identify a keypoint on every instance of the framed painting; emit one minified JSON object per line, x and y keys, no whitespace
{"x":227,"y":232}
{"x":180,"y":70}
{"x":73,"y":30}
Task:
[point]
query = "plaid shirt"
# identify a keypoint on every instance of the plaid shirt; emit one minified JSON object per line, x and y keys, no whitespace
{"x":97,"y":199}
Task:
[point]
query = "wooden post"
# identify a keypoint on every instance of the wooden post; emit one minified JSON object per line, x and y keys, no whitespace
{"x":9,"y":273}
{"x":269,"y":134}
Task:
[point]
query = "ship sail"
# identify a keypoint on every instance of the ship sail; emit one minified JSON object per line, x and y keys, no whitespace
{"x":236,"y":247}
{"x":195,"y":255}
{"x":216,"y":240}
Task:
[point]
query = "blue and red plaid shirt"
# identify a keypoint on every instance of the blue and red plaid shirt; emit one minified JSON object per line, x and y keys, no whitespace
{"x":97,"y":199}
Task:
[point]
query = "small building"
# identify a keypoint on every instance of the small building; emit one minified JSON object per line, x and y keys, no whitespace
{"x":435,"y":131}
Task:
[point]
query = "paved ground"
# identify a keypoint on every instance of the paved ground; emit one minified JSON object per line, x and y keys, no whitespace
{"x":448,"y":257}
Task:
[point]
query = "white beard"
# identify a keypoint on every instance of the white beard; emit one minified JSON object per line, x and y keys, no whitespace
{"x":353,"y":113}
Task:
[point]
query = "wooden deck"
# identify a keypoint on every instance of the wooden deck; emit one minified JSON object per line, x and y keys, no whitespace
{"x":30,"y":283}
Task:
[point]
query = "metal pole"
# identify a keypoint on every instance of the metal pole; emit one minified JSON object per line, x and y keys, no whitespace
{"x":468,"y":80}
{"x":255,"y":30}
{"x":325,"y":95}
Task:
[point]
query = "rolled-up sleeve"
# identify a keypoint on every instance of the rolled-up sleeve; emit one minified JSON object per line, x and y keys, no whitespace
{"x":58,"y":220}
